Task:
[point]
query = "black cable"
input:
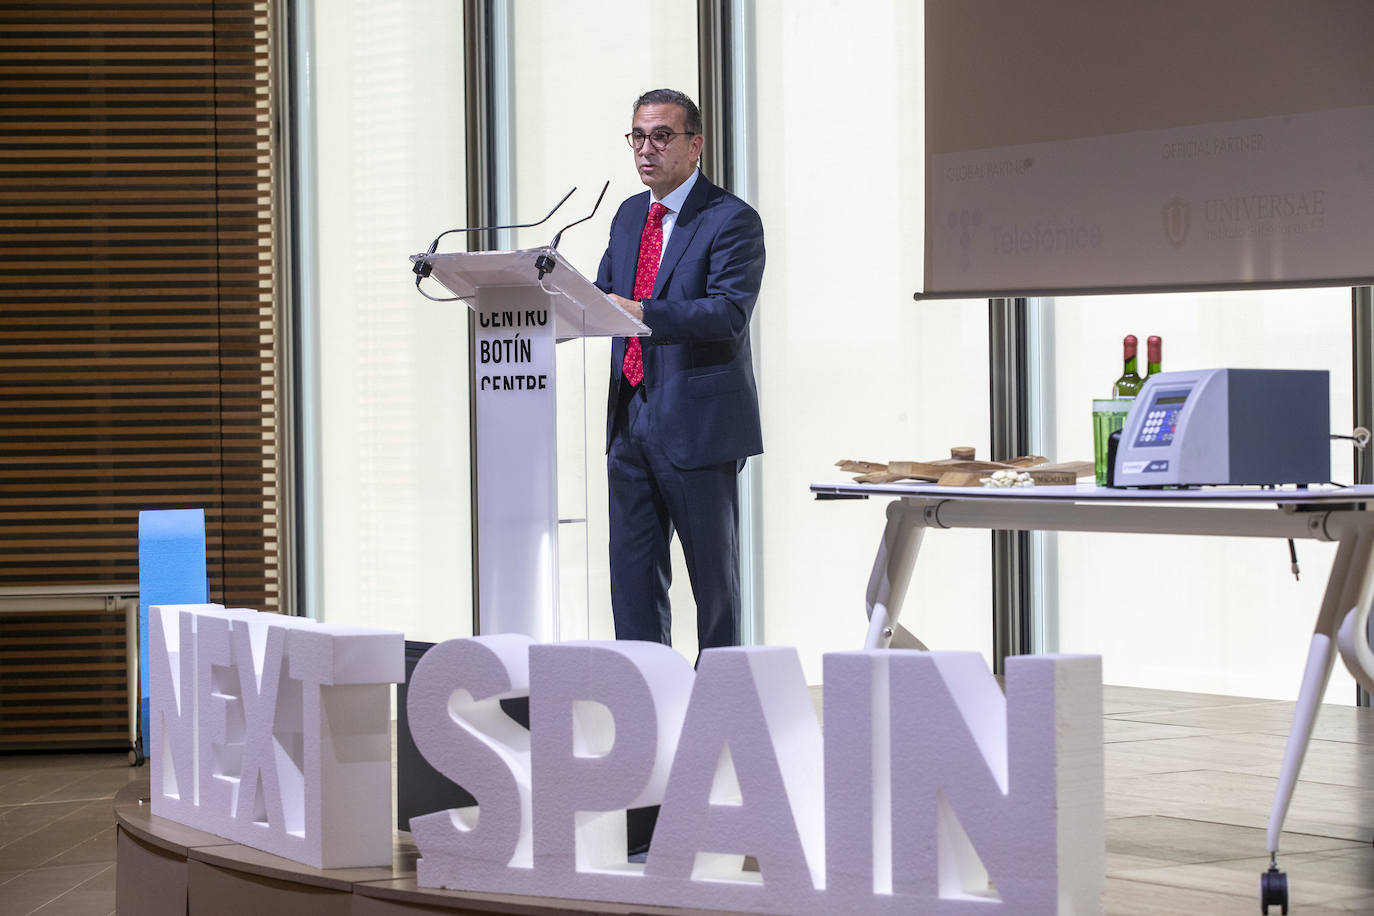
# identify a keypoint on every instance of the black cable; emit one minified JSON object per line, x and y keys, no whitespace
{"x":433,"y":246}
{"x":423,"y":268}
{"x":545,"y":264}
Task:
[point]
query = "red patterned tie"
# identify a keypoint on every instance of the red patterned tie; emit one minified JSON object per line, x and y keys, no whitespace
{"x":650,"y":248}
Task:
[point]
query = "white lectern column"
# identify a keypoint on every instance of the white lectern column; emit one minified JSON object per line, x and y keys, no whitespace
{"x":517,"y":467}
{"x":520,"y":316}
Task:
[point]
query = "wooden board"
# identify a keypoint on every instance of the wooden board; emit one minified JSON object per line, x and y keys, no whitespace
{"x":1044,"y":475}
{"x":956,"y":472}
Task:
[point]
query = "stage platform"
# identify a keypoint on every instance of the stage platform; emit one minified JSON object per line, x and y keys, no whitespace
{"x":166,"y":869}
{"x":1188,"y":778}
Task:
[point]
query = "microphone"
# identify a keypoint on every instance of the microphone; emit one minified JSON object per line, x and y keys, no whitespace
{"x":545,"y":264}
{"x":423,"y":268}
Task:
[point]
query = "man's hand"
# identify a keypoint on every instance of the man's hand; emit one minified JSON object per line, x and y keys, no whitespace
{"x":630,"y":305}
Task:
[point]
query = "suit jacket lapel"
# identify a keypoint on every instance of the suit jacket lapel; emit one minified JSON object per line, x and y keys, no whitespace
{"x":683,"y":229}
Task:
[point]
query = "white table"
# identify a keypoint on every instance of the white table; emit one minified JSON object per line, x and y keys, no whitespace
{"x":1328,"y":514}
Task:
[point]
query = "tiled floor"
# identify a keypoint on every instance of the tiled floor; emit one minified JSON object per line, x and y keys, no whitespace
{"x":1190,"y":779}
{"x":57,"y":835}
{"x":1189,"y":783}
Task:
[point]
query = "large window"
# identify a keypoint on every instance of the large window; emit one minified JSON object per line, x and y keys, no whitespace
{"x":388,"y":175}
{"x":849,"y":365}
{"x":574,"y":80}
{"x":1214,"y":615}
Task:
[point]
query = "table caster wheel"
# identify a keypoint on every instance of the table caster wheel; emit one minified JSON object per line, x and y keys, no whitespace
{"x":136,"y":757}
{"x":1274,"y":890}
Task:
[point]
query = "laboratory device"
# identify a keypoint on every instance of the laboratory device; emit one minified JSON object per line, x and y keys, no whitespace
{"x":1227,"y":427}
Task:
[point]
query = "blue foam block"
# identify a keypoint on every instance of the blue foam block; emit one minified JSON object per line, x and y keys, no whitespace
{"x":171,"y":570}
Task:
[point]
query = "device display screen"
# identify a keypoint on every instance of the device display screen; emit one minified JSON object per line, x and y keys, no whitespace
{"x":1161,"y":420}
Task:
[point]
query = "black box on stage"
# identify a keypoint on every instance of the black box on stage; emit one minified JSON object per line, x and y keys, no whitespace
{"x":420,"y":789}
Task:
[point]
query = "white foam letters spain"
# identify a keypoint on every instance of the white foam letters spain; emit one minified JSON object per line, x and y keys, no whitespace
{"x":931,"y":791}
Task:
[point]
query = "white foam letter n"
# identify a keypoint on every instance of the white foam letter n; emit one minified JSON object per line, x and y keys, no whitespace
{"x":172,"y":687}
{"x":998,"y":797}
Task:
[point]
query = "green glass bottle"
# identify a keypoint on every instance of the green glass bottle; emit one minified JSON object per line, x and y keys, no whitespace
{"x":1128,"y":386}
{"x":1153,"y":345}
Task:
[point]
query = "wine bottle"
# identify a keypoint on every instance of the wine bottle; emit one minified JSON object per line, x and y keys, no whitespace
{"x":1128,"y":386}
{"x":1153,"y":345}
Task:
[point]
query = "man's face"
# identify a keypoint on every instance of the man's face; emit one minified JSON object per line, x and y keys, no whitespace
{"x":664,"y":170}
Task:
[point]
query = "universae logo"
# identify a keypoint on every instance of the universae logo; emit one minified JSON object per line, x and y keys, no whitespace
{"x":1177,"y":217}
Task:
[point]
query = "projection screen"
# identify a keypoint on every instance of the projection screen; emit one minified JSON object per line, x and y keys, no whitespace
{"x":1082,"y":146}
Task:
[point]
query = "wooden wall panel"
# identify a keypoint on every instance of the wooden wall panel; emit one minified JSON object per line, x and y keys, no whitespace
{"x":137,"y":325}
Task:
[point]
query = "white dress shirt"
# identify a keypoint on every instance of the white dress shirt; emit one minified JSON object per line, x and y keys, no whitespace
{"x":673,"y":201}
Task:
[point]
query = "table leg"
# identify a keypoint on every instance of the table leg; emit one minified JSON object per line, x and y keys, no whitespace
{"x":892,"y":567}
{"x":1345,"y":587}
{"x":1321,"y":656}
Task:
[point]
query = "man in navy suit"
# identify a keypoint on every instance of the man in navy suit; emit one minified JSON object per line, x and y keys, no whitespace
{"x":687,"y":258}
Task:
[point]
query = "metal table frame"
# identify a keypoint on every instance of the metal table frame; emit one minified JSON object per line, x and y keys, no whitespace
{"x":108,"y":598}
{"x":1335,"y":514}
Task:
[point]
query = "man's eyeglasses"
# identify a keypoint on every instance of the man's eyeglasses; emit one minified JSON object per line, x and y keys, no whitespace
{"x":659,"y":139}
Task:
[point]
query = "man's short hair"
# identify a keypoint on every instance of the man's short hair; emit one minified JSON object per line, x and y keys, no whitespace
{"x":673,"y":97}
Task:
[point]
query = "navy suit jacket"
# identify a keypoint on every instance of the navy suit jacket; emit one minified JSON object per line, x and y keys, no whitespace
{"x":698,"y":367}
